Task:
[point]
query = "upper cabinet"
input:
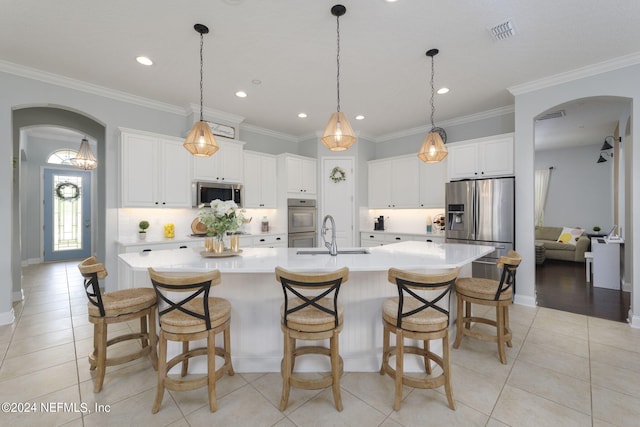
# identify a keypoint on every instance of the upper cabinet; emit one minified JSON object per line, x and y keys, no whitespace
{"x":226,"y":165}
{"x":155,"y":171}
{"x":433,"y":176}
{"x":483,"y":157}
{"x":259,"y":180}
{"x":299,"y":173}
{"x":394,"y":183}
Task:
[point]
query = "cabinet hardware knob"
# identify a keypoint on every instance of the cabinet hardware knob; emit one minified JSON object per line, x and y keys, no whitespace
{"x":182,"y":247}
{"x":262,"y":240}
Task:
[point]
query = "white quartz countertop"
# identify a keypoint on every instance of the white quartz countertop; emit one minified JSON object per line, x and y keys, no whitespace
{"x":134,"y":241}
{"x":404,"y":255}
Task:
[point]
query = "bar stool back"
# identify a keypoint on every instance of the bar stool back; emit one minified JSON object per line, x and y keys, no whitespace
{"x":311,"y":311}
{"x":418,"y":317}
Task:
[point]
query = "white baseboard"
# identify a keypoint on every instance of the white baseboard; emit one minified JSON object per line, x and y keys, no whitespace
{"x":18,"y":296}
{"x":8,"y":317}
{"x":524,"y":300}
{"x":634,"y":321}
{"x":31,"y":261}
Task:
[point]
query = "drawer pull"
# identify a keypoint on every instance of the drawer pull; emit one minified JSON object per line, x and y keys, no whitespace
{"x":146,"y":250}
{"x":182,"y":247}
{"x":262,"y":240}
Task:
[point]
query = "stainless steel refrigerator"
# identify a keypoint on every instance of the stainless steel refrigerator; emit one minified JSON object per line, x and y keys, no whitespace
{"x":482,"y":212}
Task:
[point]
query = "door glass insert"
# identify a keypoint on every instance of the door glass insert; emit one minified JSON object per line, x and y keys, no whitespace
{"x":67,"y":212}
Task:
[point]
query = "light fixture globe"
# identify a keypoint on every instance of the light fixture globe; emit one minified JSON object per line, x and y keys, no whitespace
{"x":433,"y":149}
{"x":85,"y":158}
{"x":338,"y":134}
{"x":200,"y":141}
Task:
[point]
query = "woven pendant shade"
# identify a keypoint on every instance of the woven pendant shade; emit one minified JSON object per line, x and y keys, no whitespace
{"x":433,"y":149}
{"x":338,"y":135}
{"x":85,"y":159}
{"x":200,"y":141}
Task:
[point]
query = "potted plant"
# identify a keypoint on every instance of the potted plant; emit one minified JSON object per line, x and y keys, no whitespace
{"x":596,"y":229}
{"x":142,"y":233}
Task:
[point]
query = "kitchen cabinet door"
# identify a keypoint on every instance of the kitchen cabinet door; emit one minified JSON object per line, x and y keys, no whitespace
{"x":226,"y":165}
{"x":155,"y":171}
{"x":433,"y":177}
{"x":405,"y":182}
{"x":300,"y":176}
{"x":259,"y":180}
{"x":481,"y":158}
{"x":380,"y":185}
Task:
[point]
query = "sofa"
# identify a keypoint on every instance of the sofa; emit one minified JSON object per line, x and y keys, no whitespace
{"x":548,"y":238}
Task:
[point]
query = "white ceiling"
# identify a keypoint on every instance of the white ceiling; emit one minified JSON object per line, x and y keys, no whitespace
{"x":290,"y":46}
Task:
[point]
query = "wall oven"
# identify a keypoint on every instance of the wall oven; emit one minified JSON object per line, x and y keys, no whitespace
{"x":302,"y":219}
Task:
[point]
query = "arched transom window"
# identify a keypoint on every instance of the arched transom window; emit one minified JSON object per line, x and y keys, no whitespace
{"x":62,"y":156}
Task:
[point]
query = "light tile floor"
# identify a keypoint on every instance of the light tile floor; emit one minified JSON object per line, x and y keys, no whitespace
{"x":564,"y":369}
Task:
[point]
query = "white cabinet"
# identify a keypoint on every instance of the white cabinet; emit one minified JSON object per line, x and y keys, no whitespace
{"x":259,"y":180}
{"x":270,"y":241}
{"x":299,"y":175}
{"x":482,"y":157}
{"x":394,"y":183}
{"x":155,"y":170}
{"x":226,"y":165}
{"x":378,"y":238}
{"x":433,"y":177}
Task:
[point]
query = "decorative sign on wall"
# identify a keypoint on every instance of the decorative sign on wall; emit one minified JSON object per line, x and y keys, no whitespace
{"x":223,"y":130}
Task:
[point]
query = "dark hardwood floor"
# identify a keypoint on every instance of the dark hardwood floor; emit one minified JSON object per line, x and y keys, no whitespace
{"x":562,"y":285}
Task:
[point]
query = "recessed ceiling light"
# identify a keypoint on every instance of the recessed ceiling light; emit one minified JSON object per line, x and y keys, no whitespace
{"x":302,"y":115}
{"x":443,"y":90}
{"x":359,"y":117}
{"x":241,"y":94}
{"x":391,"y":1}
{"x":144,"y":60}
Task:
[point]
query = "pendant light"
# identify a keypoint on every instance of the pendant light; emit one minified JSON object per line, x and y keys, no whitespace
{"x":433,"y":149}
{"x":200,"y":141}
{"x":338,"y":135}
{"x":85,"y":159}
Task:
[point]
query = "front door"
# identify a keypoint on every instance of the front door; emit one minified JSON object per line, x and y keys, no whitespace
{"x":67,"y":214}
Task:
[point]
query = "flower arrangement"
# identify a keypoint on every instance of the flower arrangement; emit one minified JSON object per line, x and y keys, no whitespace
{"x":221,"y":217}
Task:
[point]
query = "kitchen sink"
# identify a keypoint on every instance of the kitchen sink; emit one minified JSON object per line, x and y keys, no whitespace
{"x":340,"y":252}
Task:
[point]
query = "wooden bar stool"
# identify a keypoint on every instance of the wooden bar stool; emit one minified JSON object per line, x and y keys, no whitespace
{"x":498,"y":294}
{"x":414,"y":316}
{"x":117,"y":307}
{"x":187,"y":318}
{"x":311,"y":312}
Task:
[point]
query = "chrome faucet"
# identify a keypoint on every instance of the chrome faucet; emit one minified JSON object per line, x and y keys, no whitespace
{"x":333,"y":247}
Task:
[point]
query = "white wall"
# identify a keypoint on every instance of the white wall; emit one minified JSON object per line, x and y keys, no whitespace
{"x":580,"y":190}
{"x":536,"y":97}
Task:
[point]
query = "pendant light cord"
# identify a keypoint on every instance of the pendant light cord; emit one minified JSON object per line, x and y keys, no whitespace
{"x":201,"y":74}
{"x":338,"y":59}
{"x":433,"y":105}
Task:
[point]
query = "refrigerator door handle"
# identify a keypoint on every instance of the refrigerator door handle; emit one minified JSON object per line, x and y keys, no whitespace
{"x":476,"y":210}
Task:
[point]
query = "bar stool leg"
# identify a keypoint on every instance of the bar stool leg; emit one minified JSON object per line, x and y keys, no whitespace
{"x":335,"y":370}
{"x":459,"y":320}
{"x":162,"y":372}
{"x":446,"y":360}
{"x":286,"y":371}
{"x":399,"y":368}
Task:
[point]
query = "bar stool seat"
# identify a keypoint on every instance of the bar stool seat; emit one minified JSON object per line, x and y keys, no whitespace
{"x":420,"y":316}
{"x":311,"y":312}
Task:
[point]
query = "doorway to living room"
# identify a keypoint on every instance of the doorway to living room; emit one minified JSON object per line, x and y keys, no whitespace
{"x":586,"y":197}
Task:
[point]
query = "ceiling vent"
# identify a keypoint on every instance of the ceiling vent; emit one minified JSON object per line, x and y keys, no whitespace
{"x":553,"y":115}
{"x":503,"y":30}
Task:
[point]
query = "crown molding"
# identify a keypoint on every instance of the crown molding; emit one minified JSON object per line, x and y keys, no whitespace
{"x":496,"y":112}
{"x":269,"y":132}
{"x":67,"y":82}
{"x":214,"y":115}
{"x":579,"y":73}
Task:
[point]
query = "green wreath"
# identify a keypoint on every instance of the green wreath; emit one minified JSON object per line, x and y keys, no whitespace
{"x":338,"y":174}
{"x":67,"y":191}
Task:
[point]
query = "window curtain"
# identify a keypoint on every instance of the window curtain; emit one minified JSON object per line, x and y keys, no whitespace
{"x":542,"y":177}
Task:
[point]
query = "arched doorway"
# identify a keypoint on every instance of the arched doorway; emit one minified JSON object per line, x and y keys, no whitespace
{"x":582,"y":193}
{"x":63,"y":117}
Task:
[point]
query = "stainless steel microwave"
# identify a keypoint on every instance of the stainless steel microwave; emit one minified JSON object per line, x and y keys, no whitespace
{"x":204,"y":192}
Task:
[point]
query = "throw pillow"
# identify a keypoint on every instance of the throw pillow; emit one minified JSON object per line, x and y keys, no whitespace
{"x":570,"y":235}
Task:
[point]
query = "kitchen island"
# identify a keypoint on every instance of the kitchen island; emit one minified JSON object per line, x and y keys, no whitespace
{"x":248,"y":282}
